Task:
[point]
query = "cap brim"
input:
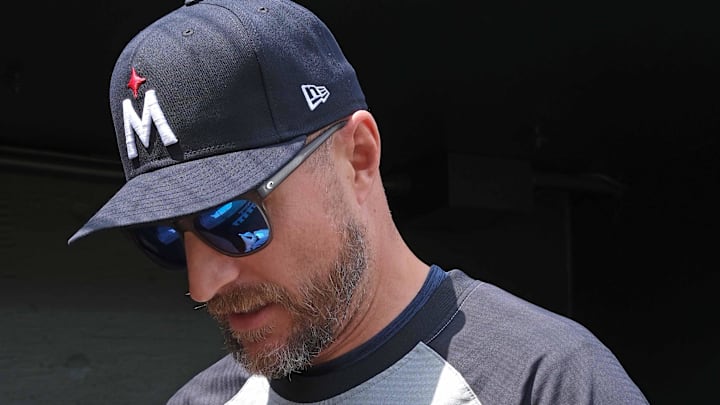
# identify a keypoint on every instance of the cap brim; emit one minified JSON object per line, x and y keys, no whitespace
{"x":189,"y":187}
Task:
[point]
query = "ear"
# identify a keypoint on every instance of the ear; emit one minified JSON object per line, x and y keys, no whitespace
{"x":361,"y":148}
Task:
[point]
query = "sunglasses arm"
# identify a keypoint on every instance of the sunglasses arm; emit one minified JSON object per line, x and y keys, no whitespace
{"x":269,"y":185}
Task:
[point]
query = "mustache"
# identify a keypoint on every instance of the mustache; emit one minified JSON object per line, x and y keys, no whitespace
{"x":246,"y":298}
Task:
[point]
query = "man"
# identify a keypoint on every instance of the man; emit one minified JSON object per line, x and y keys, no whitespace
{"x":253,"y":163}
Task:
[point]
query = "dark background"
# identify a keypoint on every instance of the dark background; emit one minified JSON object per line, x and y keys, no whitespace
{"x":565,"y":152}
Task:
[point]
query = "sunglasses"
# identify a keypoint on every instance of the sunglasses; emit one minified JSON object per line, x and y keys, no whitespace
{"x":239,"y":227}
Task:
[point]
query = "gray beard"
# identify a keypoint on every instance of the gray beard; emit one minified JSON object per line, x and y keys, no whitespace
{"x":325,"y":305}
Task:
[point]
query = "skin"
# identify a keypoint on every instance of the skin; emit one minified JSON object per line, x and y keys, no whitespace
{"x":309,"y":213}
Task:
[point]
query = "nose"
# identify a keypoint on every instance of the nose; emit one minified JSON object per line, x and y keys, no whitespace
{"x":208,"y":270}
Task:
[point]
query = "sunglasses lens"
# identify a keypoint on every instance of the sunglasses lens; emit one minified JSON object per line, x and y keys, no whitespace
{"x":162,"y":243}
{"x":236,"y":228}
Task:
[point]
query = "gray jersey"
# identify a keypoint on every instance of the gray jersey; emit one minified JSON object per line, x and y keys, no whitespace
{"x":469,"y":342}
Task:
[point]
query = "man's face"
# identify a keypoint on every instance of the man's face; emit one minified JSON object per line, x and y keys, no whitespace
{"x":289,"y":301}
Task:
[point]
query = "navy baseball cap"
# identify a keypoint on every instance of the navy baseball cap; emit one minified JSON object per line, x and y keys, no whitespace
{"x":215,"y":97}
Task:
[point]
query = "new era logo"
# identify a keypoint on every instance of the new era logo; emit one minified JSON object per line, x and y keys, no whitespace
{"x":314,"y":95}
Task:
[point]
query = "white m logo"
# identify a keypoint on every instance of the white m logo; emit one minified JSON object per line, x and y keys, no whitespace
{"x":142,"y":126}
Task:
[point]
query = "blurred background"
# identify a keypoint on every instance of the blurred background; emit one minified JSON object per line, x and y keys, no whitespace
{"x":567,"y":152}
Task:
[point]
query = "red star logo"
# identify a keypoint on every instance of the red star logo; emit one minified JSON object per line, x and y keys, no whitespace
{"x":135,"y":81}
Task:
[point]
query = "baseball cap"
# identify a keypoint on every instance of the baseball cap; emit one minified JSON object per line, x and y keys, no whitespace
{"x":213,"y":98}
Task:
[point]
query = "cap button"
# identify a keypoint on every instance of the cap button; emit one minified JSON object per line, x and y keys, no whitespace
{"x":191,"y":2}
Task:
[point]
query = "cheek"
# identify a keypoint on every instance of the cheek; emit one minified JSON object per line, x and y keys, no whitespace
{"x":305,"y":237}
{"x":308,"y":231}
{"x":306,"y":215}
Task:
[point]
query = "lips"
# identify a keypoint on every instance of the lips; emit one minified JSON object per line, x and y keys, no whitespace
{"x":255,"y":318}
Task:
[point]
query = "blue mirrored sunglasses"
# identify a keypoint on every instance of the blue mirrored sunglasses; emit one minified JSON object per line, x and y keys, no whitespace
{"x":235,"y":228}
